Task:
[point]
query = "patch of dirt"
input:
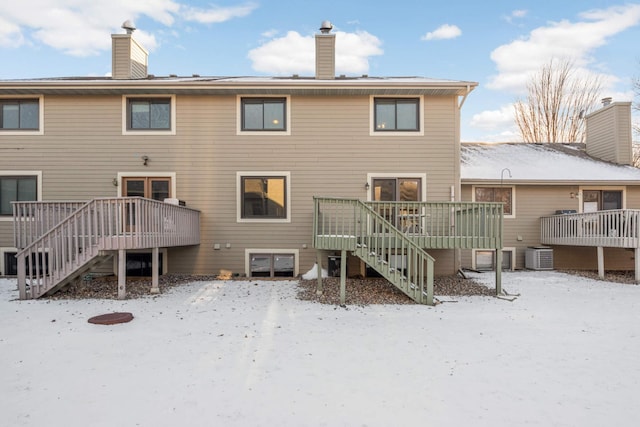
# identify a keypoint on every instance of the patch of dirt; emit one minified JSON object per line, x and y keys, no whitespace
{"x":379,"y":291}
{"x":628,"y":277}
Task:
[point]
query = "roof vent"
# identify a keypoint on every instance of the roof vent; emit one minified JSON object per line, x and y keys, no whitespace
{"x":606,"y":101}
{"x":326,"y":27}
{"x":129,"y":26}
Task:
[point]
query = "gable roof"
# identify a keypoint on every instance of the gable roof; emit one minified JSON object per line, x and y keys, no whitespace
{"x":540,"y":164}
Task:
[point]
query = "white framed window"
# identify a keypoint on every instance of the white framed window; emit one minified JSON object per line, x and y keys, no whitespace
{"x":263,"y":196}
{"x":485,"y":259}
{"x":147,"y":179}
{"x":148,"y":114}
{"x":396,"y":115}
{"x":18,"y":186}
{"x":600,"y":198}
{"x":22,"y":115}
{"x":271,"y":262}
{"x":505,"y":194}
{"x":8,"y":261}
{"x":263,"y":115}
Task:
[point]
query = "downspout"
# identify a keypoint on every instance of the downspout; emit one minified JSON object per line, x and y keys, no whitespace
{"x":464,"y":98}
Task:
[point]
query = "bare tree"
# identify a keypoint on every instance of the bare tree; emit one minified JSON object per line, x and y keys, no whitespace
{"x":557,"y":100}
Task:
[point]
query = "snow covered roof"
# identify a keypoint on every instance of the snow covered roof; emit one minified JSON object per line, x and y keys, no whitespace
{"x":545,"y":163}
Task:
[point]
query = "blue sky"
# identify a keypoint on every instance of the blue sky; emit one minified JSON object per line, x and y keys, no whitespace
{"x":498,"y":44}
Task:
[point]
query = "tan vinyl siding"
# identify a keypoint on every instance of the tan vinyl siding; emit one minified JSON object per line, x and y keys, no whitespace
{"x":523,"y":231}
{"x":325,"y":56}
{"x":329,"y":153}
{"x":609,"y":133}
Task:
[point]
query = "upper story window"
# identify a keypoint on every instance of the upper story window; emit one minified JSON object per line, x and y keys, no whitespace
{"x":264,"y":114}
{"x":19,"y":114}
{"x":263,"y":196}
{"x":149,"y":115}
{"x":497,"y":194}
{"x":396,"y":114}
{"x":16,"y":189}
{"x":22,"y":115}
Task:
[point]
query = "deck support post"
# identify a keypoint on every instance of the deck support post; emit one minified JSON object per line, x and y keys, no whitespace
{"x":155,"y":263}
{"x":601,"y":262}
{"x":122,"y":274}
{"x":319,"y":271}
{"x":22,"y":279}
{"x":499,"y":271}
{"x":343,"y":276}
{"x":637,"y":264}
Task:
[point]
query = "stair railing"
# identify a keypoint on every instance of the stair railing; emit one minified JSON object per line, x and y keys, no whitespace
{"x":352,"y":225}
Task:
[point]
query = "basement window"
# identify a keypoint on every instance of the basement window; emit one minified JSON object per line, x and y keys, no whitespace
{"x":272,"y":265}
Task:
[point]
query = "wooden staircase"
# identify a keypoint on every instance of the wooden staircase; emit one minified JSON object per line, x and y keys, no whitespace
{"x":59,"y":248}
{"x":351,"y":225}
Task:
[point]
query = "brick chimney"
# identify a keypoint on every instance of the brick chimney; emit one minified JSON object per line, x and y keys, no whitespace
{"x":608,"y":132}
{"x":129,"y":59}
{"x":325,"y":53}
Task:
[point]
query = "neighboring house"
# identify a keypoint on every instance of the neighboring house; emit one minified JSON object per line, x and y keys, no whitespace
{"x":245,"y":166}
{"x":535,"y":181}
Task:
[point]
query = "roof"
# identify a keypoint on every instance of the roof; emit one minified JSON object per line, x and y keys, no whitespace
{"x":341,"y":85}
{"x":553,"y":163}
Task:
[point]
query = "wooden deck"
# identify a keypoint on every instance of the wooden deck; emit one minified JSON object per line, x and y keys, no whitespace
{"x":619,"y":228}
{"x":58,"y":241}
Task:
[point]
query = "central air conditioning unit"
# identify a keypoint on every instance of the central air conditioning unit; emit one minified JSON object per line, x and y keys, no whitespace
{"x":539,"y":258}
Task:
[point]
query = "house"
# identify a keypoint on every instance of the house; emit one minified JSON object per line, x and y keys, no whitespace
{"x":580,"y":200}
{"x":137,"y":173}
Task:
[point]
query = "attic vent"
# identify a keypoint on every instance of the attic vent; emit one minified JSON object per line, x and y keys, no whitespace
{"x":606,"y":101}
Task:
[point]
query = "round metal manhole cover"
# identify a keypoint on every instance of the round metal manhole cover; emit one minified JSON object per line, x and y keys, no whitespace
{"x":111,"y":318}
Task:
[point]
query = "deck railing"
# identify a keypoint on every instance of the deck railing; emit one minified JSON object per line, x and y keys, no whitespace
{"x":619,"y":228}
{"x":48,"y":257}
{"x":349,"y":224}
{"x":446,"y":225}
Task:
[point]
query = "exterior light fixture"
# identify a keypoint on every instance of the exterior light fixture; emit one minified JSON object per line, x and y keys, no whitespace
{"x":145,"y":160}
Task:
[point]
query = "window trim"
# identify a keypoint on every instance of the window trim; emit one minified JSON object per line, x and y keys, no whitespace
{"x":3,"y":251}
{"x":397,"y":175}
{"x":286,"y":175}
{"x":511,"y":249}
{"x":294,"y":252}
{"x":372,"y":116}
{"x":16,"y":132}
{"x":121,"y":175}
{"x":125,"y":116}
{"x":582,"y":188}
{"x":37,"y":174}
{"x":513,"y":196}
{"x":287,"y":119}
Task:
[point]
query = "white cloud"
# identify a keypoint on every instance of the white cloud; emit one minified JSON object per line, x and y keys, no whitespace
{"x":493,"y":119}
{"x":575,"y":41}
{"x":516,"y":14}
{"x":10,"y":34}
{"x":216,"y":14}
{"x":445,"y":31}
{"x":295,"y":53}
{"x":82,"y":28}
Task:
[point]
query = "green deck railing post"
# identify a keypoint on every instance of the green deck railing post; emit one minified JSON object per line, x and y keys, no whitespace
{"x":343,"y":277}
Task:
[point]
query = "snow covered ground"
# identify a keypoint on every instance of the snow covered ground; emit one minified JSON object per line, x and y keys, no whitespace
{"x":565,"y":353}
